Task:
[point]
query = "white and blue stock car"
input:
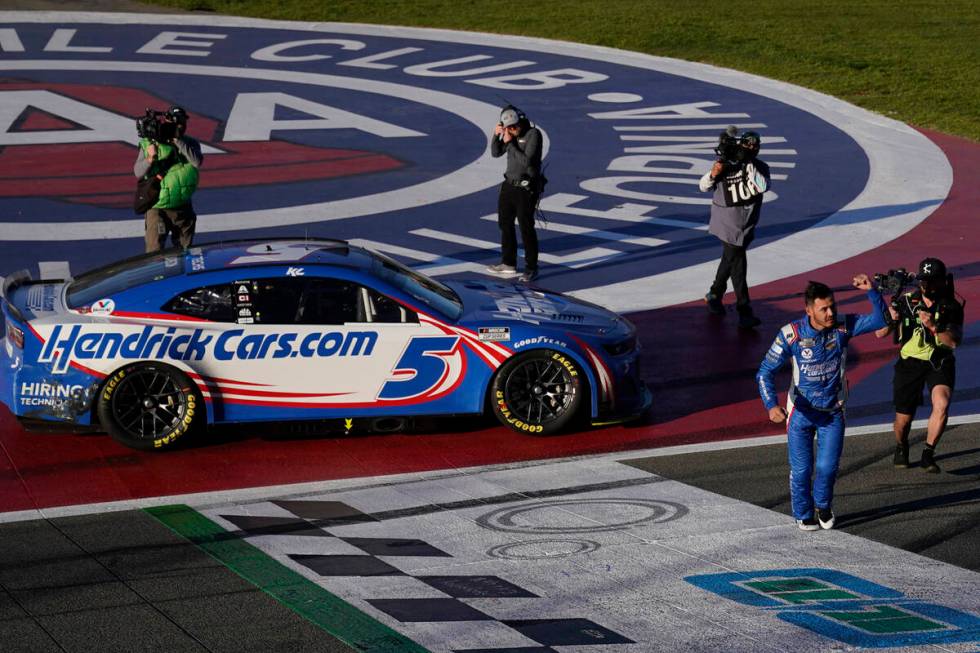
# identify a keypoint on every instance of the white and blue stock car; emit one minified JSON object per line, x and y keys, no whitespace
{"x":247,"y":331}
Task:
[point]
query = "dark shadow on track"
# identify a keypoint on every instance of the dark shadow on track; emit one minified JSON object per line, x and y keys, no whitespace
{"x":936,"y":515}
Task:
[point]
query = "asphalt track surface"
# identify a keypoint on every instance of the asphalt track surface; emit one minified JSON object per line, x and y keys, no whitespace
{"x":934,"y":515}
{"x":123,"y":581}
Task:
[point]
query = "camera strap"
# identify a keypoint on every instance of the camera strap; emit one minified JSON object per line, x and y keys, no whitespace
{"x":164,"y":165}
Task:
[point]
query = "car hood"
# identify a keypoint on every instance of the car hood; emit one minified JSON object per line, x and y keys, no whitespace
{"x":487,"y":302}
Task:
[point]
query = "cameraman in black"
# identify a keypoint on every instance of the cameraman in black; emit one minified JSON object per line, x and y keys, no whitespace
{"x":171,"y":156}
{"x":929,"y":322}
{"x":520,"y":191}
{"x":738,"y":179}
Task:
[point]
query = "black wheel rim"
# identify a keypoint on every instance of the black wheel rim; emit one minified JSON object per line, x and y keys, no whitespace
{"x":539,"y":391}
{"x":148,"y":404}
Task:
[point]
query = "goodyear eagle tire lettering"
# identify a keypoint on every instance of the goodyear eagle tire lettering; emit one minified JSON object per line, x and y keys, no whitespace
{"x":538,"y":392}
{"x":149,"y":406}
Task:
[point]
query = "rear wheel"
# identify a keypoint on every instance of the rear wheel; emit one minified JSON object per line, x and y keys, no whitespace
{"x":149,"y":406}
{"x":538,"y":392}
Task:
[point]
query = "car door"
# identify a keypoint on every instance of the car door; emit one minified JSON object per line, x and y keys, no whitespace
{"x":318,"y":346}
{"x":389,"y":361}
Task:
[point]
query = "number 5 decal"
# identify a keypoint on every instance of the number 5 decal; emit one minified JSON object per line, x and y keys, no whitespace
{"x":274,"y":252}
{"x":423,"y":367}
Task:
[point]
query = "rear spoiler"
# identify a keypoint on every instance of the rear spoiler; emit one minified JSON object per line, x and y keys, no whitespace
{"x":7,"y":286}
{"x":51,"y":272}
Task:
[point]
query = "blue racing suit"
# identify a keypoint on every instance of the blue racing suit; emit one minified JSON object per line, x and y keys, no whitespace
{"x":816,"y":399}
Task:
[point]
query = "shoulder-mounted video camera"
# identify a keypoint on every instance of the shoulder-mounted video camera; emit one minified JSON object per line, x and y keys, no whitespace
{"x":940,"y":289}
{"x":893,"y":281}
{"x":155,"y":126}
{"x":734,"y":148}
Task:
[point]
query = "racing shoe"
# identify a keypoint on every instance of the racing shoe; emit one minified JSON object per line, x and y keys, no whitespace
{"x":826,"y":518}
{"x":901,"y":458}
{"x":715,"y":307}
{"x":502,"y":269}
{"x":928,"y":462}
{"x":748,"y":321}
{"x":808,"y":524}
{"x":529,"y":276}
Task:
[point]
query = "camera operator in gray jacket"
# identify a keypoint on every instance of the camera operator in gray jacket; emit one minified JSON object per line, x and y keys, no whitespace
{"x":738,"y":179}
{"x":523,"y":184}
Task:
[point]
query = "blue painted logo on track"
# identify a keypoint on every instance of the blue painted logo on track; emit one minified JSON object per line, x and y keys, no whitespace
{"x":844,"y":607}
{"x":380,"y":135}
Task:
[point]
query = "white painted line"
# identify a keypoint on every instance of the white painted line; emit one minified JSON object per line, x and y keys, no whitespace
{"x":476,"y":243}
{"x":673,"y":128}
{"x":551,"y":225}
{"x":626,"y":212}
{"x":415,"y":254}
{"x":204,"y":499}
{"x":54,"y":270}
{"x":654,"y":149}
{"x":582,"y":258}
{"x":437,"y":265}
{"x":451,"y":268}
{"x":711,"y":140}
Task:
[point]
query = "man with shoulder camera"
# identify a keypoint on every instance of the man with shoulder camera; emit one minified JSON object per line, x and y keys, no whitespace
{"x":929,"y":324}
{"x":738,"y":179}
{"x":520,"y":191}
{"x":173,"y":158}
{"x":817,"y":346}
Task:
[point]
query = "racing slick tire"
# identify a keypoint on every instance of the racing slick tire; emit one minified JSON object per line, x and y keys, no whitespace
{"x":149,"y":406}
{"x":538,"y":392}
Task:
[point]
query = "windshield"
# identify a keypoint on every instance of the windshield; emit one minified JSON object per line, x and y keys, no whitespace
{"x":419,"y":286}
{"x":105,"y":282}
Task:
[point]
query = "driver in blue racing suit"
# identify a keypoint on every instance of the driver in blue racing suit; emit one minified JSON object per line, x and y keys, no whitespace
{"x":817,"y":345}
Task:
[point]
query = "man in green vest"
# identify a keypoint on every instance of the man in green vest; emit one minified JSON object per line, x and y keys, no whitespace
{"x":930,"y":326}
{"x":174,"y":160}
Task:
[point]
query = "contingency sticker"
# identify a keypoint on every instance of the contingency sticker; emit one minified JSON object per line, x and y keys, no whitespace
{"x":494,"y":334}
{"x":103,"y":307}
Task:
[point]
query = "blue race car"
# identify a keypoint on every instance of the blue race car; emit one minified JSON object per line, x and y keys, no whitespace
{"x":157,"y":345}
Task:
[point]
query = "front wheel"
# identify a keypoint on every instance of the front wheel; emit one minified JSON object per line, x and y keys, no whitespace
{"x":538,"y":392}
{"x":149,"y":406}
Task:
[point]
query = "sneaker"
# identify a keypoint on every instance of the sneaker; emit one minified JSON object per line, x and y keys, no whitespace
{"x":826,"y":518}
{"x":715,"y":307}
{"x":748,"y":321}
{"x":808,"y":524}
{"x":529,"y":276}
{"x":901,"y":458}
{"x":928,"y":464}
{"x":502,"y":269}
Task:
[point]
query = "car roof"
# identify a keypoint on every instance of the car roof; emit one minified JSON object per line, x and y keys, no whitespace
{"x":251,"y":253}
{"x":247,"y":253}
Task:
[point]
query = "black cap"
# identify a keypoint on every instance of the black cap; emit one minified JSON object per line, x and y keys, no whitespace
{"x":932,"y":268}
{"x":750,"y":140}
{"x":177,"y":114}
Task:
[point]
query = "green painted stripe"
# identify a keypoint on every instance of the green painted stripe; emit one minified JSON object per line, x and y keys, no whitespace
{"x":302,"y":596}
{"x":884,"y":619}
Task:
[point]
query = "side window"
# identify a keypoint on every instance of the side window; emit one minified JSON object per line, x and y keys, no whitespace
{"x":290,"y":300}
{"x":274,"y":301}
{"x":381,"y":308}
{"x":207,"y":303}
{"x":330,"y":301}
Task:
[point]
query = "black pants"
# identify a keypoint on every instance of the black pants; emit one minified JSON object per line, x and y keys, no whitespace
{"x":733,"y":265}
{"x":517,"y":203}
{"x":913,"y":375}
